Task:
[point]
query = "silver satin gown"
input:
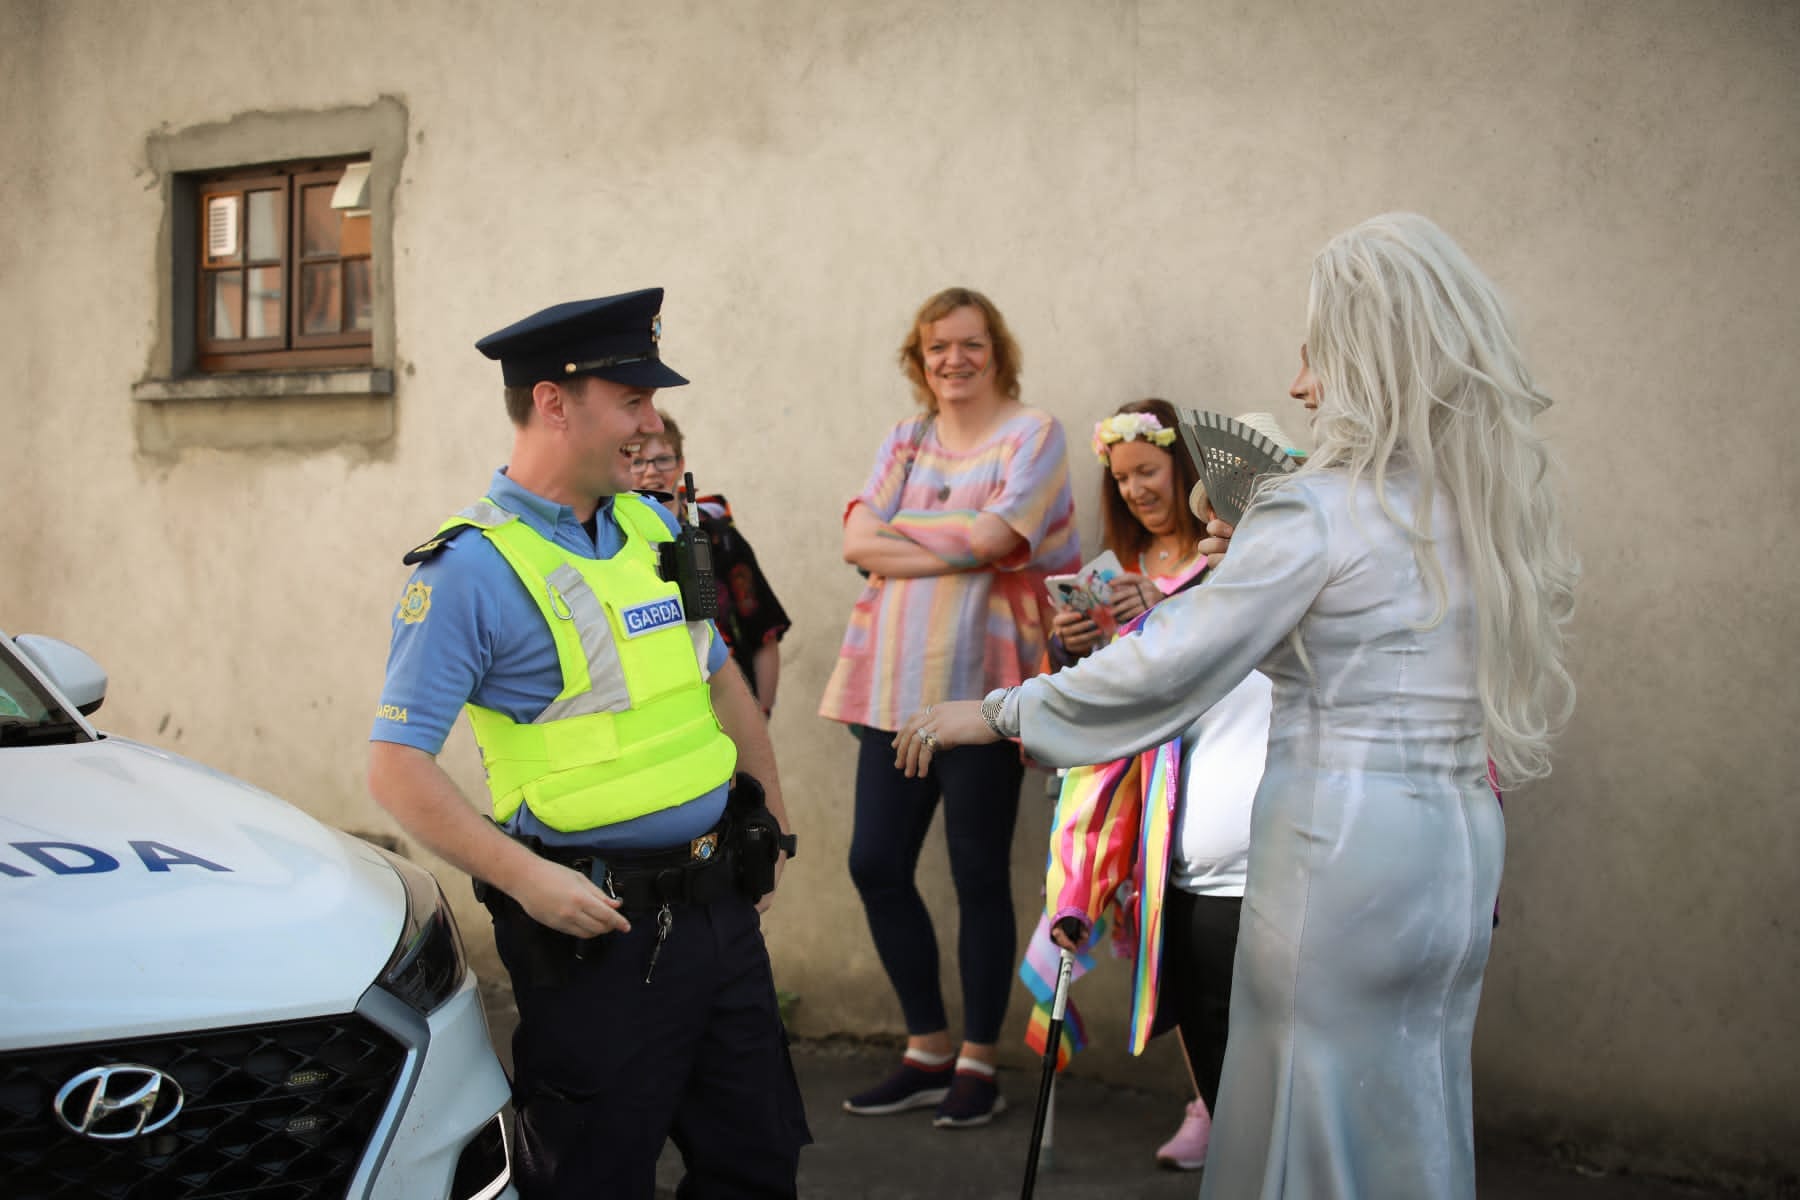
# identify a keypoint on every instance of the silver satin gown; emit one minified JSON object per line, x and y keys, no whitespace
{"x":1375,"y":845}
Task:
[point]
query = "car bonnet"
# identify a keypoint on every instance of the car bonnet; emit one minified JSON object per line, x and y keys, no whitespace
{"x":142,"y":893}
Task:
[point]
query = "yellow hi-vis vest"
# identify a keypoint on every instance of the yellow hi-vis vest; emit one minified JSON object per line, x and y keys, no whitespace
{"x":633,"y":729}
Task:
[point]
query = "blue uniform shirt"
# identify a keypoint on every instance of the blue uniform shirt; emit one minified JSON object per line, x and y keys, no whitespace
{"x":469,"y":631}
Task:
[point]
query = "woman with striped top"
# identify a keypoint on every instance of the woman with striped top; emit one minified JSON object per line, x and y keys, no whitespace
{"x":966,"y":511}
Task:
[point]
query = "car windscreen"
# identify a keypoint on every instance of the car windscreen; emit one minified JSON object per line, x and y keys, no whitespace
{"x":29,"y":714}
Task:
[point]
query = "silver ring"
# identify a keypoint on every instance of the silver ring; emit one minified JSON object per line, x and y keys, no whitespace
{"x":929,"y":738}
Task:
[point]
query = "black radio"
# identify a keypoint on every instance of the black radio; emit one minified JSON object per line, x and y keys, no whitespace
{"x":687,"y":561}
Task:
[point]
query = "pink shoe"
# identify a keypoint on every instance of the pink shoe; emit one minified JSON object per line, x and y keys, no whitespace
{"x":1186,"y":1151}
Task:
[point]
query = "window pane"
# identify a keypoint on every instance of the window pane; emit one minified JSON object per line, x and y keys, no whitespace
{"x":264,"y":236}
{"x":353,"y":240}
{"x":263,"y":316}
{"x":319,"y":221}
{"x":227,"y":302}
{"x":359,"y":294}
{"x":319,"y":297}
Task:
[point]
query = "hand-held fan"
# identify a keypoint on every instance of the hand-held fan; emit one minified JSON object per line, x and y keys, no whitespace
{"x":1230,"y":456}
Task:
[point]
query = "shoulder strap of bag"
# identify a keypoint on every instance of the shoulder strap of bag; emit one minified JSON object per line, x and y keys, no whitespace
{"x":912,"y":448}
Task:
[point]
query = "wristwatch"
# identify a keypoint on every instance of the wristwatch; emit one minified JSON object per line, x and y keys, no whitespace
{"x":990,"y":710}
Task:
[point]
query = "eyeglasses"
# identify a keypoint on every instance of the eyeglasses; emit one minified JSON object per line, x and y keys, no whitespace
{"x":662,"y":462}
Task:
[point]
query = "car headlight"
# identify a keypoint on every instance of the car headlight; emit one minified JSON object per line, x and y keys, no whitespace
{"x":427,"y":965}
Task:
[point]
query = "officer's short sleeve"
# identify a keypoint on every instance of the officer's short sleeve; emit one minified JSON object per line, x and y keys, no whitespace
{"x":437,"y":653}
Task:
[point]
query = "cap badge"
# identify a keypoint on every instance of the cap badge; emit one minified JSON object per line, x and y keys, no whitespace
{"x":656,"y":328}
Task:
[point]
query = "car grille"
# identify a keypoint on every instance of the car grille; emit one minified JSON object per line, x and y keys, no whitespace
{"x":276,"y":1112}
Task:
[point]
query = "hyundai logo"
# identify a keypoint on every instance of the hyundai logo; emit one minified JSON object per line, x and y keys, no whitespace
{"x":121,"y":1101}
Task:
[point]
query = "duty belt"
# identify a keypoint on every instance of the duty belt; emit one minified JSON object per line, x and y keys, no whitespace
{"x":697,"y":873}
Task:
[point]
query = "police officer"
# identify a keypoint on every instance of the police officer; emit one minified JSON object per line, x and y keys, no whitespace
{"x":612,"y":722}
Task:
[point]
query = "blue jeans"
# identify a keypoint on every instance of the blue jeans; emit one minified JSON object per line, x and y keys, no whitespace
{"x":979,"y":786}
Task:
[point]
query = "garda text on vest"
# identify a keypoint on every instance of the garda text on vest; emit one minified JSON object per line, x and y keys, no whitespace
{"x":651,"y":616}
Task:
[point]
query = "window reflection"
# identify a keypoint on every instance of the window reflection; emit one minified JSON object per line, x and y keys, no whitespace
{"x":319,"y":222}
{"x":227,"y":303}
{"x":359,"y":294}
{"x":264,"y":238}
{"x":320,"y":298}
{"x":262,"y":317}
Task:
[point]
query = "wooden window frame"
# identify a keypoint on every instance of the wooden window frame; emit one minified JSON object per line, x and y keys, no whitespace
{"x":292,"y":350}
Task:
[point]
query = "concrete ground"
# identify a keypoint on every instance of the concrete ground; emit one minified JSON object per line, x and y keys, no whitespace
{"x":1103,"y":1141}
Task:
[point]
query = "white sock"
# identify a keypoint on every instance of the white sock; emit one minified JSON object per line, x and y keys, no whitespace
{"x":975,"y":1066}
{"x":927,"y":1060}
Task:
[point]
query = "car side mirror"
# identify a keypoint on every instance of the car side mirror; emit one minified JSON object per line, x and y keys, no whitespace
{"x":71,"y":671}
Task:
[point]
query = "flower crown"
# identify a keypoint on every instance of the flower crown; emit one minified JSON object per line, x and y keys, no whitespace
{"x":1129,"y":427}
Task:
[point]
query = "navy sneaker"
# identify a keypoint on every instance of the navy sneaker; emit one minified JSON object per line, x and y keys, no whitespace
{"x":912,"y":1086}
{"x":974,"y":1099}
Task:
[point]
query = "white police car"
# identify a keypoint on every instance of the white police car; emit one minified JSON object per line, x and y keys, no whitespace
{"x":205,"y":992}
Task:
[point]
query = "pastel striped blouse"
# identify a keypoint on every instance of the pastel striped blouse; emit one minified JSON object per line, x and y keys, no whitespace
{"x":913,"y":642}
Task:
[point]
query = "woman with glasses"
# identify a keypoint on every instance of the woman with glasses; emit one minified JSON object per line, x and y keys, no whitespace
{"x":966,"y":511}
{"x":750,"y":617}
{"x":1406,"y":592}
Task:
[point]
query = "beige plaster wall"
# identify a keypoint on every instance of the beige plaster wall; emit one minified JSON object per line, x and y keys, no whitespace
{"x":1140,"y":186}
{"x":22,"y":186}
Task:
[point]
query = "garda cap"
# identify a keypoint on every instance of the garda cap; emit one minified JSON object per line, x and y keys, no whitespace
{"x":612,"y":337}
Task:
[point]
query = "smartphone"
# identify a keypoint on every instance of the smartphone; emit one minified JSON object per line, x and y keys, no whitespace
{"x":1072,"y":592}
{"x":1087,"y":591}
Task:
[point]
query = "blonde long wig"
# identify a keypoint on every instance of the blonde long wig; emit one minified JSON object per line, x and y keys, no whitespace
{"x":1418,"y":367}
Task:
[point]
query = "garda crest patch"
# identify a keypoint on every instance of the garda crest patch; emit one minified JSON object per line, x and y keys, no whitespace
{"x":415,"y":604}
{"x":645,"y":618}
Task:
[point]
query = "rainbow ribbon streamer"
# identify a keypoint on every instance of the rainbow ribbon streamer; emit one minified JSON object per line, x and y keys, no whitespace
{"x":1110,"y":843}
{"x":1150,"y":873}
{"x":1038,"y":972}
{"x":1108,"y":863}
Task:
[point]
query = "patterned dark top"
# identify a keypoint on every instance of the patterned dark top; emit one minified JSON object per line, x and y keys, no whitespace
{"x":750,"y":616}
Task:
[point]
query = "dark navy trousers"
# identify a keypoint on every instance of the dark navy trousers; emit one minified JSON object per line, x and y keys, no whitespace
{"x":607,"y":1067}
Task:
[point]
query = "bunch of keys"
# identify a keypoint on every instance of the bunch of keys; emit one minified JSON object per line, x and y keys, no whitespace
{"x":664,"y":919}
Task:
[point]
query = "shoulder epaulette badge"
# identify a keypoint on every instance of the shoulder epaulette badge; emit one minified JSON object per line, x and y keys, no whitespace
{"x":426,"y":551}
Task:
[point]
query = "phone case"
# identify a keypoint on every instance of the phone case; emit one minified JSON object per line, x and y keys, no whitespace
{"x":1087,"y":590}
